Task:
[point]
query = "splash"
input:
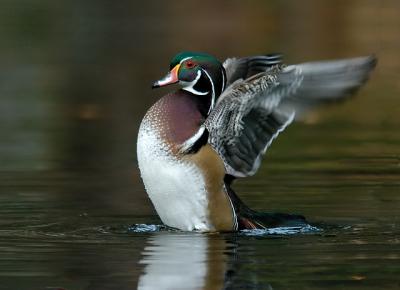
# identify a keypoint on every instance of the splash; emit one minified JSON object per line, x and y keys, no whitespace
{"x":144,"y":228}
{"x":151,"y":228}
{"x":282,"y":231}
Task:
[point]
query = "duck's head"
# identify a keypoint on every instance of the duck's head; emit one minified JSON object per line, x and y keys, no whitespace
{"x":198,"y":73}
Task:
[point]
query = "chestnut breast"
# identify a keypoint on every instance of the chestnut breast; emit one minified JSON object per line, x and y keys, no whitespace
{"x":176,"y":117}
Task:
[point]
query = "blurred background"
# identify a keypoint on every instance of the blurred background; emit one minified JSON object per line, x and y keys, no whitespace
{"x":75,"y":80}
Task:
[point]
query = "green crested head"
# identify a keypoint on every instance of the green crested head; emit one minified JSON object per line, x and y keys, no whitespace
{"x":195,"y":56}
{"x":198,"y":73}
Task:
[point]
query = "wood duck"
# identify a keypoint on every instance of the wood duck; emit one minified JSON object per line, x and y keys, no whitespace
{"x":195,"y":141}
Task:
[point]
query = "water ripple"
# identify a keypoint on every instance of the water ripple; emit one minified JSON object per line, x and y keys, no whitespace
{"x":281,"y":231}
{"x":144,"y":228}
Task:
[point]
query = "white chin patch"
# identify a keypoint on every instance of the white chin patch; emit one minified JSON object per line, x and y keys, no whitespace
{"x":188,"y":86}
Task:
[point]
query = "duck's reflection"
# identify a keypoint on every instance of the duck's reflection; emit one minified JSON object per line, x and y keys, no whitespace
{"x":184,"y":261}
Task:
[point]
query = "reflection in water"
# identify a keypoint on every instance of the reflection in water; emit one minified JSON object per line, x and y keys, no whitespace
{"x":201,"y":261}
{"x":182,"y":261}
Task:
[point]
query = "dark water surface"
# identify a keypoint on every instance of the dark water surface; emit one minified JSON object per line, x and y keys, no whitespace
{"x":74,"y":84}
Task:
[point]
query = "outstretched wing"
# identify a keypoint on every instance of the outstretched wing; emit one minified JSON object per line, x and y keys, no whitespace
{"x":251,"y":113}
{"x":326,"y":82}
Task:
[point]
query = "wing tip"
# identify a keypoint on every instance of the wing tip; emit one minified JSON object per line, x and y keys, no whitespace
{"x":369,"y":61}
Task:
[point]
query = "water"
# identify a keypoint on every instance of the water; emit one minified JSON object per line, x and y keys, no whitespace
{"x":74,"y":84}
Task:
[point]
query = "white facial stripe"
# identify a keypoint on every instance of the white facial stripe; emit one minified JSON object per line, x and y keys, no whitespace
{"x":186,"y":58}
{"x":213,"y":91}
{"x":188,"y":86}
{"x":193,"y":91}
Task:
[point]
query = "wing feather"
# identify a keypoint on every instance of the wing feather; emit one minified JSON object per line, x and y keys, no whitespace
{"x":245,"y":67}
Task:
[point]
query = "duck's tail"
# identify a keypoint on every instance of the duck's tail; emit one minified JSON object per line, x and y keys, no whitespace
{"x":251,"y":219}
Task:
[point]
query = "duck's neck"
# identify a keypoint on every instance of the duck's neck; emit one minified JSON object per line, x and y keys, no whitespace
{"x":207,"y":87}
{"x":203,"y":103}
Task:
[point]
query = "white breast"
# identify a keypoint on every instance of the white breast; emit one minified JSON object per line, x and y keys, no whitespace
{"x":176,"y":188}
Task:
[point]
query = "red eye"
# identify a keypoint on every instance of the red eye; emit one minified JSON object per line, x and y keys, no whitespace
{"x":190,"y":64}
